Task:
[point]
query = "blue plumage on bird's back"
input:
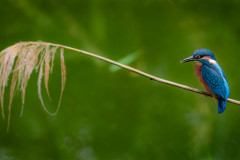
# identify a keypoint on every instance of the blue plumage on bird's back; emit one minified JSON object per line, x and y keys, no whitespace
{"x":222,"y":102}
{"x":214,"y":76}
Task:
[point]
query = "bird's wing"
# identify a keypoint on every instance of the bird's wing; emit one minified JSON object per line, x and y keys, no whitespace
{"x":214,"y":77}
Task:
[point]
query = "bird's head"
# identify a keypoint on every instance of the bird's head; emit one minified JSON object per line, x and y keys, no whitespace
{"x":201,"y":55}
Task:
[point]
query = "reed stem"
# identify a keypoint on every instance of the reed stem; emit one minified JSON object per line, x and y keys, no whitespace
{"x":151,"y":77}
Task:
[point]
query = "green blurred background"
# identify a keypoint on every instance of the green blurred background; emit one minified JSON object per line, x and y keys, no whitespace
{"x":109,"y":113}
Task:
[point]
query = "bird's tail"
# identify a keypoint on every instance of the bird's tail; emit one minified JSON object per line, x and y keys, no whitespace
{"x":221,"y":106}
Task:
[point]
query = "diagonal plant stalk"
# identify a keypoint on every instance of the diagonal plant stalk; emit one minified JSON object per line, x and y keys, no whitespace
{"x":22,"y":58}
{"x":151,"y":77}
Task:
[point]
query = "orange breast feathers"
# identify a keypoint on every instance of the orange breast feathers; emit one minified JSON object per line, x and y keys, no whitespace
{"x":198,"y":67}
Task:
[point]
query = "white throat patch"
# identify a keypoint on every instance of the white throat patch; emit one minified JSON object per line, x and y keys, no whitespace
{"x":212,"y":61}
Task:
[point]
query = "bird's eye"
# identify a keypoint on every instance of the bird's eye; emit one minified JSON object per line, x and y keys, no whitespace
{"x":198,"y":56}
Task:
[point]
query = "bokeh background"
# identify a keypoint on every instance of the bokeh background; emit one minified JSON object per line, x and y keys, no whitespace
{"x":108,"y":113}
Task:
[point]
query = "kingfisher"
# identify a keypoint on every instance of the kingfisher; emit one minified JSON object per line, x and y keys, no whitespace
{"x":211,"y":76}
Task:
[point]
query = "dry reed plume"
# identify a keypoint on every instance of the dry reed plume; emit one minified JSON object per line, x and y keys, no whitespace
{"x":20,"y":60}
{"x":24,"y":57}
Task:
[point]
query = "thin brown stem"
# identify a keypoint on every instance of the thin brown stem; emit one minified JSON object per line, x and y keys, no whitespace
{"x":151,"y":77}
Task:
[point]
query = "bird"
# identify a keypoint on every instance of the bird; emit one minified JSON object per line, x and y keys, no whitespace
{"x":211,"y":76}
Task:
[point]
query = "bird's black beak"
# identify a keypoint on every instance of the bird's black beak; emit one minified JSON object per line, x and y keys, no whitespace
{"x":188,"y":59}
